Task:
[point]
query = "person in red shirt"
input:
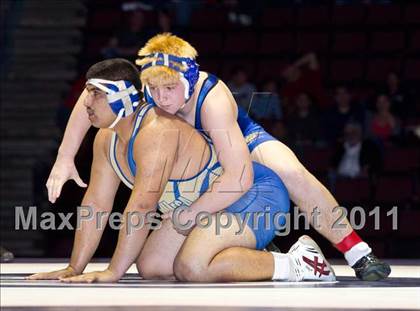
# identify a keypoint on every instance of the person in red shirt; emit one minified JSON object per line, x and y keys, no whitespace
{"x":383,"y":125}
{"x":304,"y":76}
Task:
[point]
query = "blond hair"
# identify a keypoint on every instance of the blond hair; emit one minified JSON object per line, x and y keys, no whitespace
{"x":163,"y":43}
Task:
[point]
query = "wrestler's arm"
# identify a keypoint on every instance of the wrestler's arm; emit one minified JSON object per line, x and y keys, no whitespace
{"x":154,"y":153}
{"x":99,"y":197}
{"x":220,"y":121}
{"x":310,"y":60}
{"x":97,"y":200}
{"x":64,"y":168}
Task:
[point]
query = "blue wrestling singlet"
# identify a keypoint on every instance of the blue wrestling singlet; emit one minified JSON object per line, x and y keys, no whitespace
{"x":267,"y":197}
{"x":254,"y":133}
{"x":177,"y":192}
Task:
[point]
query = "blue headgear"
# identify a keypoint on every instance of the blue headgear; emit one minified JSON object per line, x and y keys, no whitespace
{"x":189,"y":76}
{"x":123,"y":98}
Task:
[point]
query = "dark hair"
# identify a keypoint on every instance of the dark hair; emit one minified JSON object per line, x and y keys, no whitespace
{"x":115,"y":69}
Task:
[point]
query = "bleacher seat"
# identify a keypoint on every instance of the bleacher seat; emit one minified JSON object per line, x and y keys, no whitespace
{"x":105,"y":3}
{"x":272,"y":43}
{"x":209,"y":65}
{"x":399,"y":160}
{"x":412,"y":69}
{"x":349,"y":42}
{"x":412,"y":13}
{"x":378,"y":68}
{"x":348,"y":14}
{"x":346,"y":70}
{"x":270,"y":69}
{"x":229,"y":64}
{"x":376,"y":226}
{"x":206,"y":43}
{"x":313,"y":15}
{"x":408,"y":223}
{"x":277,"y":17}
{"x":383,"y":14}
{"x":244,"y":42}
{"x":105,"y":20}
{"x":312,"y":42}
{"x":394,"y":190}
{"x":95,"y":44}
{"x":317,"y":160}
{"x":414,"y":45}
{"x":355,"y":191}
{"x":387,"y":42}
{"x":209,"y":18}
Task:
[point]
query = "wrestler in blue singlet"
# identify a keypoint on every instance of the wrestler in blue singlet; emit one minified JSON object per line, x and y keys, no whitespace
{"x":254,"y":133}
{"x":268,"y":195}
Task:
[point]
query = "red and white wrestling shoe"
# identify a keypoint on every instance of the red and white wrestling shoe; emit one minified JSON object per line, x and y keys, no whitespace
{"x":307,"y":263}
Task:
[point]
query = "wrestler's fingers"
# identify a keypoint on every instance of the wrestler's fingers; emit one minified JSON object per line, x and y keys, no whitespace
{"x":58,"y":185}
{"x":37,"y":276}
{"x":43,"y":276}
{"x":50,"y":188}
{"x":73,"y":279}
{"x":79,"y":181}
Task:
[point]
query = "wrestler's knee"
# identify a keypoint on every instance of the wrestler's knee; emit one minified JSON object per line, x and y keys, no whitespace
{"x":148,"y":268}
{"x":187,"y":269}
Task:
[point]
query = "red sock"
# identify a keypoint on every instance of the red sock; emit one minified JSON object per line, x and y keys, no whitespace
{"x":348,"y":242}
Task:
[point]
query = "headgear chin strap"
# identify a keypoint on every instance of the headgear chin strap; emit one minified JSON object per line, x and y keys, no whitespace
{"x":188,"y":76}
{"x":122,"y":96}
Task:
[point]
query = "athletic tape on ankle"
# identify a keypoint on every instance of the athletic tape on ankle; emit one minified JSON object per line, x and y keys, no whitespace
{"x":348,"y":242}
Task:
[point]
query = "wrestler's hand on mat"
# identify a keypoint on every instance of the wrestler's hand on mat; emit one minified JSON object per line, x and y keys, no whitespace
{"x":63,"y":170}
{"x":106,"y":276}
{"x":53,"y":275}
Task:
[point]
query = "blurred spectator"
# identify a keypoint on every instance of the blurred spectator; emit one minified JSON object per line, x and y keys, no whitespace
{"x":397,"y":95}
{"x":126,"y":42}
{"x":303,"y":76}
{"x":303,"y":124}
{"x":242,"y":13}
{"x":241,"y":89}
{"x":164,"y":21}
{"x":343,"y":111}
{"x":266,"y":105}
{"x":5,"y":255}
{"x":355,"y":157}
{"x":183,"y":11}
{"x":382,"y":125}
{"x":279,"y":130}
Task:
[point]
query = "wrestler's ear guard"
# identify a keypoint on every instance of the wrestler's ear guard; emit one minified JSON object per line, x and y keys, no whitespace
{"x":186,"y":67}
{"x":122,"y":96}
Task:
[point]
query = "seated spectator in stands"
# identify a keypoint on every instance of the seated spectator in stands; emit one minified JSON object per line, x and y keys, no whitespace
{"x":164,"y":21}
{"x":397,"y":95}
{"x":382,"y":125}
{"x":345,"y":110}
{"x":241,"y":89}
{"x":127,"y":41}
{"x":355,"y":157}
{"x":304,"y":76}
{"x":242,"y":13}
{"x":266,"y":105}
{"x":303,"y":124}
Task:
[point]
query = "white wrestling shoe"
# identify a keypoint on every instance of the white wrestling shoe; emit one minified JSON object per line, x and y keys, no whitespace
{"x":307,"y":263}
